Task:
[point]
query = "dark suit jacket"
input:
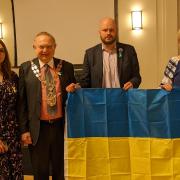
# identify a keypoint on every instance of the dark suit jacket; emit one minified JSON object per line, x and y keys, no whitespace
{"x":30,"y":95}
{"x":128,"y":66}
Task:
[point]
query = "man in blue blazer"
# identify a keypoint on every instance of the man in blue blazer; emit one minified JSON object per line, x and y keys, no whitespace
{"x":42,"y":95}
{"x":110,"y":64}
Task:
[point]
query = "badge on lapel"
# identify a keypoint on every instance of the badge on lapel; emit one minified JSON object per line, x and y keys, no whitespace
{"x":120,"y":53}
{"x":59,"y":69}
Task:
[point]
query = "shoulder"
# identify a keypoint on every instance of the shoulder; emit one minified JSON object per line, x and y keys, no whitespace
{"x":94,"y":48}
{"x":175,"y":59}
{"x":67,"y":64}
{"x":127,"y":49}
{"x":14,"y":77}
{"x":25,"y":68}
{"x":125,"y":46}
{"x":57,"y":61}
{"x":64,"y":63}
{"x":13,"y":74}
{"x":26,"y":64}
{"x":173,"y":62}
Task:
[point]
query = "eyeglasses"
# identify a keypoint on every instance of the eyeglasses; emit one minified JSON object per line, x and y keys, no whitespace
{"x":2,"y":50}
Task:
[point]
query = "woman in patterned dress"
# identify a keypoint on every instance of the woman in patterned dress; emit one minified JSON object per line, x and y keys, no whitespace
{"x":172,"y":72}
{"x":10,"y":147}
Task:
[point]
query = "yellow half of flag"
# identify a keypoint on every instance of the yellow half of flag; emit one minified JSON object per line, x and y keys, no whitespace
{"x":118,"y":135}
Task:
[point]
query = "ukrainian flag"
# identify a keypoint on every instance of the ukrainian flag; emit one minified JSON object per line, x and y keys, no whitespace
{"x":123,"y":135}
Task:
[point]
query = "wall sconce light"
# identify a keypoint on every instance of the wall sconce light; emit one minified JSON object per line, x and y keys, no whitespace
{"x":136,"y":19}
{"x":1,"y":31}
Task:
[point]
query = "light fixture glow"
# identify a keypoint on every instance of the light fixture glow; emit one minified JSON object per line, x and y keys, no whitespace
{"x":136,"y":18}
{"x":1,"y":31}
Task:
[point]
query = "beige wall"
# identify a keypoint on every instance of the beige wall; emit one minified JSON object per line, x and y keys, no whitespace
{"x":156,"y":42}
{"x":74,"y":23}
{"x":6,"y":19}
{"x":76,"y":30}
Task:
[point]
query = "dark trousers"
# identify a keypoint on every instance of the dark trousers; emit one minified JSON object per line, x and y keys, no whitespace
{"x":49,"y":150}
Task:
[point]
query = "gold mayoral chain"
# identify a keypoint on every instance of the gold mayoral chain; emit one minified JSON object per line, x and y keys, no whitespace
{"x":51,"y":89}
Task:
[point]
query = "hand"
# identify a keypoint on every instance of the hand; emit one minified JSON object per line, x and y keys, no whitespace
{"x":167,"y":87}
{"x":3,"y":147}
{"x":72,"y":87}
{"x":26,"y":138}
{"x":128,"y":85}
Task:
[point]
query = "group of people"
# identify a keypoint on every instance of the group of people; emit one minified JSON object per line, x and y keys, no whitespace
{"x":32,"y":106}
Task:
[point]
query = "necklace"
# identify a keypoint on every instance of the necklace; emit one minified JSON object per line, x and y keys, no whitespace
{"x":37,"y":72}
{"x":50,"y":86}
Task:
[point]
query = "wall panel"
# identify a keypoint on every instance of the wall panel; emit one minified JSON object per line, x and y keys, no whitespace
{"x":73,"y":23}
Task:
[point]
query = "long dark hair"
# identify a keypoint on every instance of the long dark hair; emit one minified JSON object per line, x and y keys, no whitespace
{"x":5,"y":65}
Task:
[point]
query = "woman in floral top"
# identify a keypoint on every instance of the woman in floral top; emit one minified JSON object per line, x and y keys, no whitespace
{"x":10,"y":147}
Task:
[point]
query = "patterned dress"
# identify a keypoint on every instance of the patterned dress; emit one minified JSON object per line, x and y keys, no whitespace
{"x":172,"y":72}
{"x":11,"y":161}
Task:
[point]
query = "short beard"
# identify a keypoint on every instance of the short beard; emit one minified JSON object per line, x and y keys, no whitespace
{"x":108,"y":42}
